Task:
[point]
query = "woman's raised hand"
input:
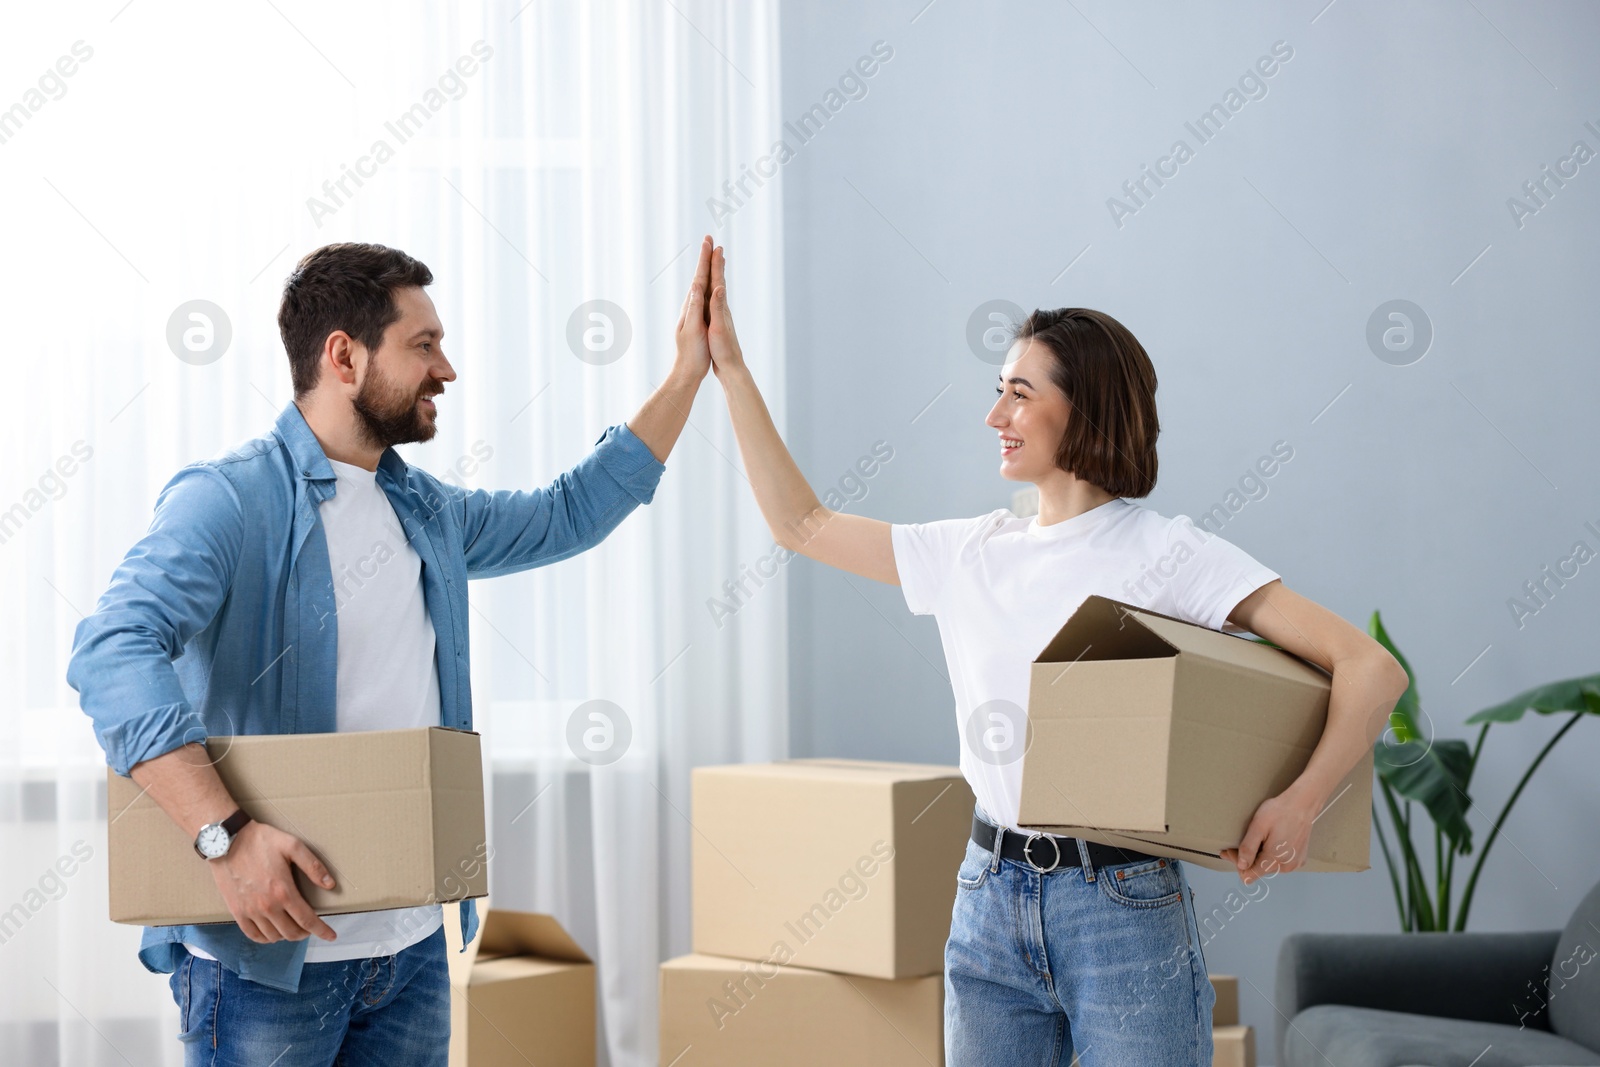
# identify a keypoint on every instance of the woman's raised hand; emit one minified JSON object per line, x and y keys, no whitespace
{"x":796,"y":517}
{"x":724,"y":343}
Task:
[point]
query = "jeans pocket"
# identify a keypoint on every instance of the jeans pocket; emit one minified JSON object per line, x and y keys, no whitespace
{"x":194,"y":987}
{"x":974,"y":867}
{"x":179,"y":984}
{"x":1198,"y":935}
{"x":1154,"y":883}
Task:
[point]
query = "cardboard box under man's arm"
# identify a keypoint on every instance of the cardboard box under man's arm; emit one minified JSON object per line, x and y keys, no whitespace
{"x":1164,"y":736}
{"x":396,"y":815}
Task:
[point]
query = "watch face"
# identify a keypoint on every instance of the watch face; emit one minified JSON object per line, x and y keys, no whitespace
{"x":213,"y":841}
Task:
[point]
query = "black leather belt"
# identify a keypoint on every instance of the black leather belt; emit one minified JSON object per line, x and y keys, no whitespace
{"x":1048,"y":852}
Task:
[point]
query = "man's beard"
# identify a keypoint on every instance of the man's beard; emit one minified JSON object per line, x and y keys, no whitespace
{"x":389,"y":417}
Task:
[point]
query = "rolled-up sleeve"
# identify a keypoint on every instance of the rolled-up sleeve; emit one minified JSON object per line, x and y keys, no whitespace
{"x":504,"y":531}
{"x":168,"y":588}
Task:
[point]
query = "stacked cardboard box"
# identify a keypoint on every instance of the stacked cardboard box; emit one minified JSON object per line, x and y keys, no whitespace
{"x":822,"y":892}
{"x":1232,"y":1045}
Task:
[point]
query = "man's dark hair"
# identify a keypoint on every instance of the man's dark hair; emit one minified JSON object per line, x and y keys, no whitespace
{"x":347,"y":287}
{"x":1107,"y":377}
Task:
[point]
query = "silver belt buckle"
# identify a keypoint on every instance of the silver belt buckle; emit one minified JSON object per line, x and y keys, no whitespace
{"x":1027,"y":852}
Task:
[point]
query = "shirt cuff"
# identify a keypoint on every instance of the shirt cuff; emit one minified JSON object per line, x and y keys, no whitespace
{"x":156,"y":732}
{"x":630,"y":461}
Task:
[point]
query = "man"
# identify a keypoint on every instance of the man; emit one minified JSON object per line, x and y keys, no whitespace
{"x":226,"y":619}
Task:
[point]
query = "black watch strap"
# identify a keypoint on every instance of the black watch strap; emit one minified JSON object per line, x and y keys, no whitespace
{"x":235,"y":822}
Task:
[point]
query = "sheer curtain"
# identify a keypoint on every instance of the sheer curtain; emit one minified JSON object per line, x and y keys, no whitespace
{"x":539,"y":158}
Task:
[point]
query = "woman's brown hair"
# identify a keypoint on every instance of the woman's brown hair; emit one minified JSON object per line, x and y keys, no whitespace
{"x":1110,"y":383}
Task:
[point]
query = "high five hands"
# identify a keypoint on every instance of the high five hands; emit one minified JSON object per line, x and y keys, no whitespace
{"x":705,"y":336}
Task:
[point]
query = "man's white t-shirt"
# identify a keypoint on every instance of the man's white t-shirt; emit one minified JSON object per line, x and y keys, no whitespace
{"x":1001,"y":587}
{"x":387,"y":678}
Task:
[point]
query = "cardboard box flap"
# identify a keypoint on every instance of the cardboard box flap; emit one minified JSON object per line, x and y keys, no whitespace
{"x":1104,"y":629}
{"x":508,"y":933}
{"x":526,"y":933}
{"x":884,"y":772}
{"x":1212,"y":644}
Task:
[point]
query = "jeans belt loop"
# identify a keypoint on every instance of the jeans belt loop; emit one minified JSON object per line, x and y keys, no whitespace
{"x":999,"y":842}
{"x":1088,"y":863}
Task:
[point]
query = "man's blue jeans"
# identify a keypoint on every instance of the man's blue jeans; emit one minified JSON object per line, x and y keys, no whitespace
{"x":385,"y":1011}
{"x":1102,"y":960}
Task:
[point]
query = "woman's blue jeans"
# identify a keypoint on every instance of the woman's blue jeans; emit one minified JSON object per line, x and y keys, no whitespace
{"x":385,"y":1011}
{"x":1104,"y":961}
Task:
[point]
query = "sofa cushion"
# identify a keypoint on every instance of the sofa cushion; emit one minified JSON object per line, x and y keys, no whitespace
{"x":1369,"y":1037}
{"x":1574,"y":976}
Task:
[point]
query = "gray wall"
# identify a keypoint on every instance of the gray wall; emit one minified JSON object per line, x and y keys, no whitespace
{"x":1378,"y":166}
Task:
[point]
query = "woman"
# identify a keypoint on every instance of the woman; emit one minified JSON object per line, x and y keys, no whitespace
{"x":1097,"y":951}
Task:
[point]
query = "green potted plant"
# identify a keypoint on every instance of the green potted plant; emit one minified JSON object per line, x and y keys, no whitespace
{"x":1435,"y":774}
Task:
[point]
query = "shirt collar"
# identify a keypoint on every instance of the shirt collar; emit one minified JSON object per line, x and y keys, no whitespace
{"x":1078,"y":523}
{"x":310,"y":462}
{"x":391,"y":466}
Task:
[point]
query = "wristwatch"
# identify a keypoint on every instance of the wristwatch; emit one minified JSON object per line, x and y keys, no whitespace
{"x":215,"y":838}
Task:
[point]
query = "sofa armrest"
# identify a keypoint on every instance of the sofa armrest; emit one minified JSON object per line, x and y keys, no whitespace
{"x":1482,"y":977}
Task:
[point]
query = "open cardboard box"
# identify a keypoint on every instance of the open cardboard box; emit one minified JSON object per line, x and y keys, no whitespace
{"x":523,"y":992}
{"x":396,"y":815}
{"x":1163,"y":736}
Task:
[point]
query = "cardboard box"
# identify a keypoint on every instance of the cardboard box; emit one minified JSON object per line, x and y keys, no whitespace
{"x":522,"y":993}
{"x":1163,"y":736}
{"x":717,"y":1011}
{"x":1233,"y":1046}
{"x":396,"y":815}
{"x":1226,"y":1011}
{"x":842,"y":865}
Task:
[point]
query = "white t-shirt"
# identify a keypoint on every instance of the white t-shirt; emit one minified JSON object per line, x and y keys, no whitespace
{"x":387,"y":678}
{"x":1002,"y":586}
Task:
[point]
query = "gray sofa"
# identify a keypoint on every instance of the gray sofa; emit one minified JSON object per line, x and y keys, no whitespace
{"x":1443,"y":1000}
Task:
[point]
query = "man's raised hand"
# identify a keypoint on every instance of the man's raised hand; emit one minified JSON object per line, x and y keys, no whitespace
{"x":693,"y":352}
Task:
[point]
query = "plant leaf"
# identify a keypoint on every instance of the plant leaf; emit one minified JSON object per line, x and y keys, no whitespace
{"x":1574,"y":694}
{"x":1434,"y":775}
{"x":1403,"y":719}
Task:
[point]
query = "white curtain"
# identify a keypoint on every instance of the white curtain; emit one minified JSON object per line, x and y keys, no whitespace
{"x":567,"y":158}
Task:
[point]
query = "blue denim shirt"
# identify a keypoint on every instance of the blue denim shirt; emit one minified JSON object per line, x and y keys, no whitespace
{"x":215,"y":622}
